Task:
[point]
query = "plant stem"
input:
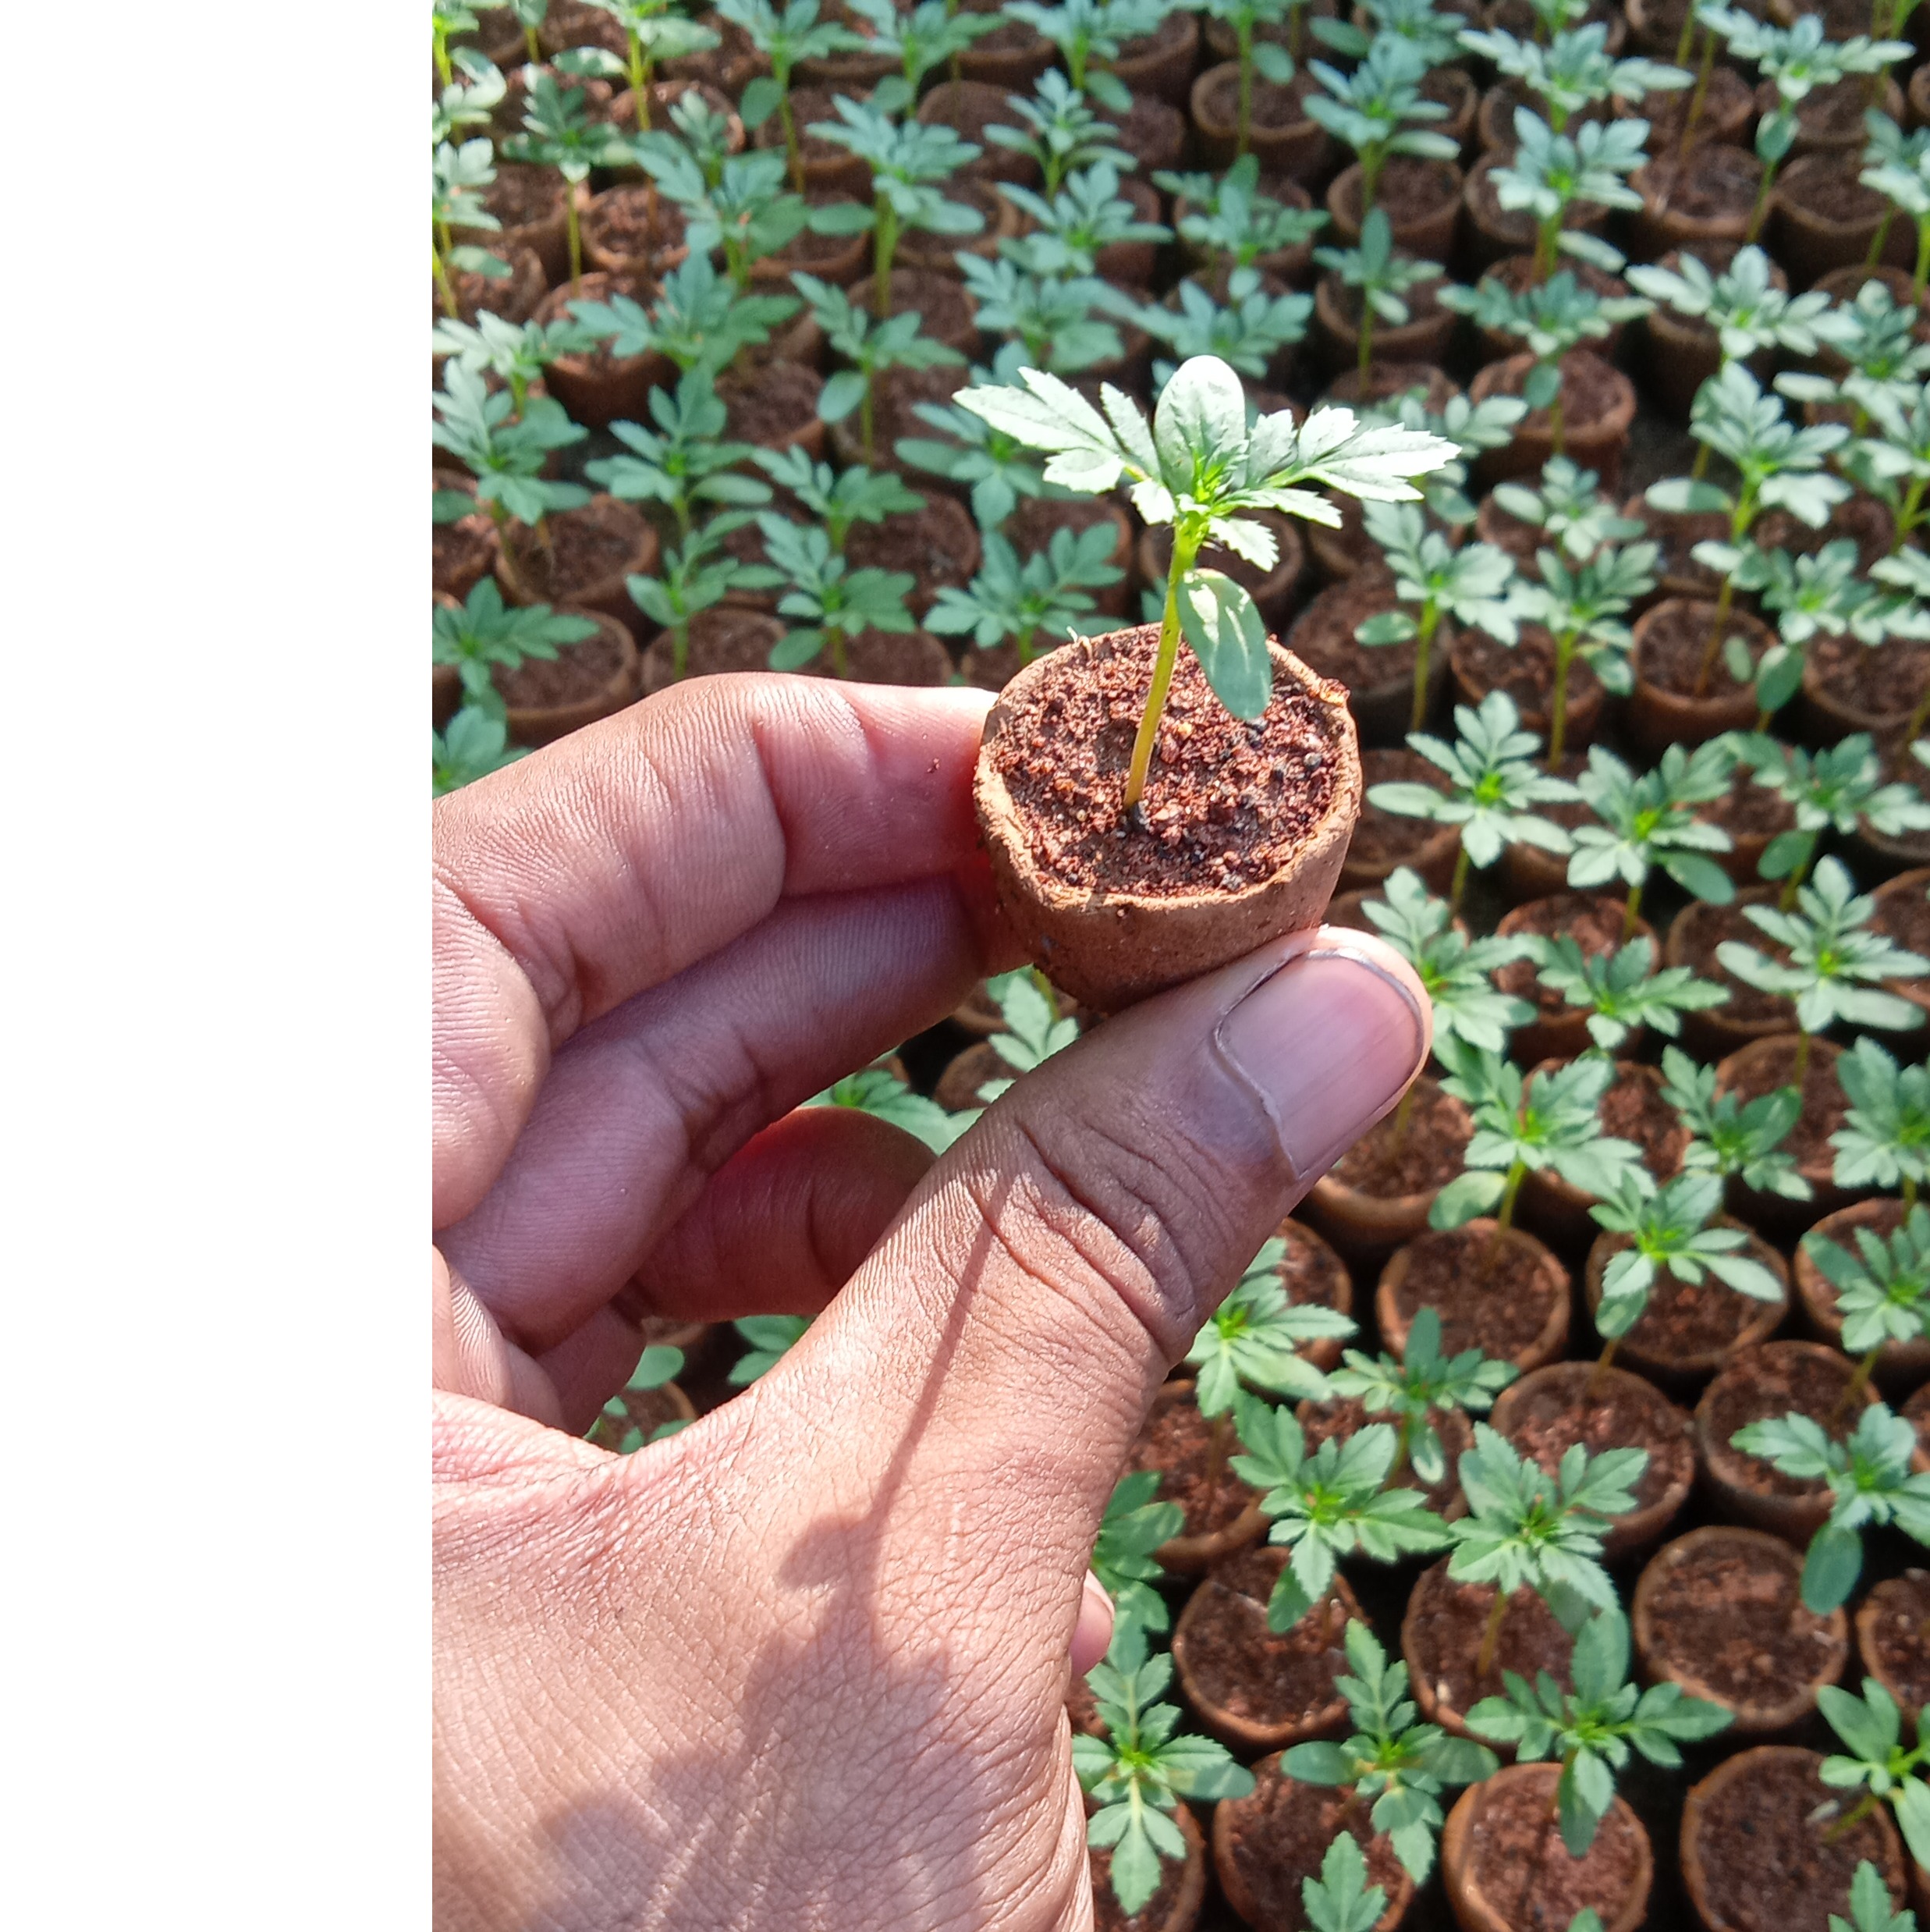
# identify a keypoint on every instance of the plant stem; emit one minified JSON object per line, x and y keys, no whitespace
{"x":1853,"y":1393}
{"x":1910,"y":1191}
{"x":1366,"y":341}
{"x":1701,"y":95}
{"x":1504,"y":1218}
{"x":1762,"y":203}
{"x":1459,"y":882}
{"x":1403,"y":1114}
{"x":1491,"y":1636}
{"x":1185,"y":548}
{"x":837,"y":663}
{"x":445,"y":286}
{"x":1633,"y":915}
{"x":864,"y":417}
{"x":884,"y":245}
{"x":1922,"y":276}
{"x":1424,"y":640}
{"x":1555,"y":418}
{"x":1717,"y":631}
{"x":639,"y":92}
{"x":1598,"y":1373}
{"x":1851,"y":1819}
{"x":1686,"y":39}
{"x":575,"y":235}
{"x":532,"y":46}
{"x":1700,"y":467}
{"x":794,"y":154}
{"x":1217,"y":1431}
{"x":679,"y":648}
{"x":1558,"y":702}
{"x":1802,"y":1059}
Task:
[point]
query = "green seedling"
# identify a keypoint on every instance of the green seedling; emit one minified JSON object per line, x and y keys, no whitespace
{"x":1124,"y":1557}
{"x":999,"y":469}
{"x":1872,"y":1485}
{"x":1882,"y":1289}
{"x":1621,"y":992}
{"x":1493,"y":786}
{"x":506,"y":453}
{"x":1232,"y":223}
{"x":836,"y":602}
{"x":1139,"y":1770}
{"x":1526,"y":1529}
{"x":1648,"y":820}
{"x":1196,"y":469}
{"x":784,"y":35}
{"x":1249,"y":330}
{"x":1424,"y":1383}
{"x":698,"y":321}
{"x":1875,"y":1759}
{"x":1550,"y":173}
{"x":869,"y":346}
{"x":1732,"y":1140}
{"x":1340,"y":1899}
{"x":878,"y":1090}
{"x":1837,"y":960}
{"x":1885,"y":1139}
{"x":1401,"y":1766}
{"x":1894,"y":464}
{"x":1829,"y":790}
{"x":1381,"y":277}
{"x":1742,"y":304}
{"x":928,"y":35}
{"x":1573,"y":70}
{"x":657,"y":1365}
{"x":1469,"y":427}
{"x":559,"y":132}
{"x":772,"y":1337}
{"x":743,"y":213}
{"x":1379,"y":111}
{"x":692,"y":577}
{"x":1060,"y":133}
{"x":838,"y":499}
{"x":1668,"y":1232}
{"x":1869,"y":1905}
{"x":1434,"y":36}
{"x":1908,"y":571}
{"x":516,"y":353}
{"x":1592,"y":1728}
{"x":1008,"y":602}
{"x":460,"y":175}
{"x":1050,"y":316}
{"x":1071,"y":231}
{"x":1331,"y":1503}
{"x":476,"y":744}
{"x":653,"y":32}
{"x":447,"y":19}
{"x":1897,"y":166}
{"x":530,"y":15}
{"x":1876,"y":336}
{"x":1034,"y":1029}
{"x":1569,"y":508}
{"x":1454,"y":971}
{"x":469,"y":102}
{"x":1090,"y":34}
{"x":485,"y":635}
{"x":683,"y":466}
{"x":1473,"y":585}
{"x":1255,"y":1336}
{"x":1271,"y":61}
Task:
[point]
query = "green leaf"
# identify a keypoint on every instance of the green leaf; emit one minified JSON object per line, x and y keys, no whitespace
{"x":1202,"y":417}
{"x":760,"y":101}
{"x":841,"y":393}
{"x":1229,"y":635}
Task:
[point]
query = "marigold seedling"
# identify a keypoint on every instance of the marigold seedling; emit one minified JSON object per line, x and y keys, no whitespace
{"x":1573,"y":70}
{"x":1734,"y":1140}
{"x":1060,"y":131}
{"x":485,"y":635}
{"x":1234,"y":222}
{"x":1034,"y":1029}
{"x":1340,"y":1899}
{"x":1089,"y":34}
{"x":1071,"y":231}
{"x":1648,"y":820}
{"x":1454,"y":971}
{"x":1875,"y":1758}
{"x":1550,"y":172}
{"x":1829,"y":790}
{"x":654,"y":31}
{"x":559,"y":132}
{"x":1270,"y":61}
{"x":1124,"y":1559}
{"x":1883,"y":1288}
{"x":1050,"y":315}
{"x":1248,"y":330}
{"x":475,"y":744}
{"x":1008,"y":602}
{"x":836,"y":602}
{"x":1620,"y":991}
{"x":1569,"y":508}
{"x":1381,"y":276}
{"x":1885,"y":1139}
{"x":869,"y":346}
{"x":1379,"y":110}
{"x":1869,"y":1905}
{"x":878,"y":1090}
{"x":784,"y":35}
{"x":1255,"y":1336}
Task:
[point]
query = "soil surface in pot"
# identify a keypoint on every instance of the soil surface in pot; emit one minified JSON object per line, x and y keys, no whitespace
{"x":1704,"y":928}
{"x":1385,"y":839}
{"x":1552,"y":1414}
{"x":1904,"y":917}
{"x":1824,"y":1107}
{"x":577,"y":673}
{"x":1409,"y":189}
{"x":635,"y":223}
{"x":1426,"y":1155}
{"x":1154,"y":132}
{"x":1312,"y":1275}
{"x":1591,"y":392}
{"x":1591,"y":920}
{"x":463,"y":551}
{"x":1264,"y":1677}
{"x":1633,"y":1109}
{"x":1178,"y":1442}
{"x":1276,"y":1839}
{"x":770,"y":404}
{"x":1678,"y":534}
{"x":1728,"y":1613}
{"x":1526,"y":671}
{"x":1885,"y":682}
{"x":807,"y":104}
{"x":1748,"y":811}
{"x":721,"y":640}
{"x":1271,"y":107}
{"x":1892,"y":1628}
{"x":1718,"y":181}
{"x":1517,"y":1861}
{"x":1029,"y":529}
{"x":1768,"y":1865}
{"x":1339,"y":1421}
{"x":1499,"y":1309}
{"x":938,"y":545}
{"x":588,"y":547}
{"x":1684,"y":1320}
{"x":1226,"y":802}
{"x":1770,"y":1381}
{"x":1441,"y":1639}
{"x":1324,"y":636}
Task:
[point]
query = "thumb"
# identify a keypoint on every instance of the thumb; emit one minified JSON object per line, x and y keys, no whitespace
{"x":991,"y":1363}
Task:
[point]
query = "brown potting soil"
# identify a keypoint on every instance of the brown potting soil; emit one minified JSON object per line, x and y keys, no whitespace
{"x":1747,"y":810}
{"x":1083,"y":1709}
{"x":943,"y":303}
{"x":1409,"y":190}
{"x":807,"y":104}
{"x":1730,"y":1615}
{"x":577,"y":673}
{"x":1867,"y":522}
{"x":462,"y":552}
{"x":1896,"y":1634}
{"x":515,"y":297}
{"x":587,"y":548}
{"x":1831,"y":115}
{"x":1271,"y":106}
{"x":1177,"y":1441}
{"x":523,"y":194}
{"x":892,"y":657}
{"x":1323,"y":635}
{"x":1526,"y":671}
{"x":770,"y":404}
{"x":1499,"y":1309}
{"x":1310,"y":1272}
{"x":724,"y":640}
{"x":1427,"y":1156}
{"x":634,"y":222}
{"x":1685,"y":1319}
{"x":809,"y":250}
{"x":968,"y":108}
{"x":1423,"y":300}
{"x":1676,"y":640}
{"x":938,"y":544}
{"x":1517,"y":1858}
{"x":1762,"y":1382}
{"x":1708,"y":926}
{"x":1831,"y":195}
{"x":1593,"y":920}
{"x":1442,"y":1636}
{"x":1885,"y":681}
{"x":1592,"y":392}
{"x":1635,"y":1109}
{"x":596,"y":286}
{"x":957,"y":1088}
{"x":1280,"y":1834}
{"x":1010,"y":37}
{"x":1825,"y":1106}
{"x":1339,"y":1421}
{"x":1667,"y":114}
{"x":1717,"y":180}
{"x":1225,"y":801}
{"x":1904,"y":916}
{"x":1678,"y":536}
{"x":1769,"y":1863}
{"x":645,"y":1409}
{"x":1214,"y":557}
{"x":1154,"y":132}
{"x":1260,"y":1675}
{"x":1547,"y":1419}
{"x":1389,"y":838}
{"x":1029,"y":529}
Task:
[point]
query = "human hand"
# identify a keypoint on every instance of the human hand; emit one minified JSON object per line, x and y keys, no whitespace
{"x":804,"y":1665}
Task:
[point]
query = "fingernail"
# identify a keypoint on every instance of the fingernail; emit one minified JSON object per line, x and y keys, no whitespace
{"x":1093,"y":1636}
{"x":1328,"y":1043}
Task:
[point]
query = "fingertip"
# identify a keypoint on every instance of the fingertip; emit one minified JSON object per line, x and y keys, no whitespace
{"x":1092,"y":1636}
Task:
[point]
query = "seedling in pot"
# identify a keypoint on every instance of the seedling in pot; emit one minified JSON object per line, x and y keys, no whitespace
{"x":1069,"y":232}
{"x":1669,"y":1233}
{"x":1196,"y":469}
{"x":1897,"y":166}
{"x":1591,"y":1727}
{"x":1908,"y":571}
{"x":1233,"y":221}
{"x":1581,"y":606}
{"x":476,"y":744}
{"x":1734,"y":1140}
{"x":1837,"y":960}
{"x":1573,"y":70}
{"x":908,"y":162}
{"x":1550,"y":317}
{"x":1777,"y":466}
{"x":1882,"y":1289}
{"x":1400,"y":1766}
{"x":1829,"y":790}
{"x":1648,"y":821}
{"x":784,"y":35}
{"x":1876,"y":336}
{"x":653,"y":32}
{"x":1471,"y":427}
{"x":692,"y":577}
{"x":1248,"y":331}
{"x":1327,"y":1505}
{"x":838,"y":499}
{"x":1454,"y":971}
{"x":1549,"y":173}
{"x":744,"y":212}
{"x":1621,"y":992}
{"x":698,"y":320}
{"x":1493,"y":786}
{"x":1874,"y":1758}
{"x":516,"y":353}
{"x":1008,"y":602}
{"x":1061,"y":132}
{"x":469,"y":102}
{"x":1434,"y":36}
{"x":1748,"y":311}
{"x":878,"y":1090}
{"x":1796,"y":60}
{"x":1377,"y":110}
{"x":447,"y":19}
{"x":1089,"y":31}
{"x":658,"y":1364}
{"x":1526,"y":1529}
{"x":1871,"y":1484}
{"x":1422,"y":1383}
{"x":1869,"y":1905}
{"x":925,"y":37}
{"x":1381,"y":277}
{"x":459,"y":175}
{"x":836,"y":602}
{"x":485,"y":635}
{"x":1254,"y":1338}
{"x":999,"y":468}
{"x":1569,"y":508}
{"x":1519,"y":1130}
{"x":1473,"y":585}
{"x":682,"y":466}
{"x":505,"y":453}
{"x":1123,"y":1557}
{"x":1137,"y":1772}
{"x":1034,"y":1029}
{"x":1340,"y":1899}
{"x":1271,"y":61}
{"x":1050,"y":316}
{"x":530,"y":15}
{"x":1885,"y":1139}
{"x":869,"y":346}
{"x":772,"y":1337}
{"x":559,"y":133}
{"x":1894,"y":464}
